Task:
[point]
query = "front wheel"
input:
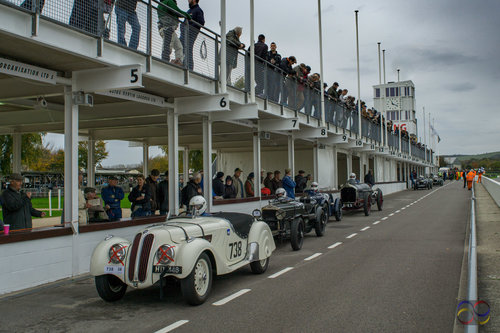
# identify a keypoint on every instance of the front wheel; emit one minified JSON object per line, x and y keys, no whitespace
{"x":297,"y":234}
{"x":320,"y":223}
{"x":110,"y":287}
{"x":196,"y":286}
{"x":380,"y":199}
{"x":338,"y":209}
{"x":259,"y":266}
{"x":367,"y":204}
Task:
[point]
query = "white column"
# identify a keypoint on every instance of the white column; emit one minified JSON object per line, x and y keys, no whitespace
{"x":335,"y":169}
{"x":91,"y":161}
{"x":291,"y":153}
{"x":321,"y":73}
{"x":70,"y":160}
{"x":256,"y":163}
{"x":349,"y":164}
{"x":16,"y":152}
{"x":252,"y":53}
{"x":173,"y":162}
{"x":207,"y":162}
{"x":185,"y":165}
{"x":145,"y":159}
{"x":359,"y":83}
{"x":223,"y":47}
{"x":316,"y":162}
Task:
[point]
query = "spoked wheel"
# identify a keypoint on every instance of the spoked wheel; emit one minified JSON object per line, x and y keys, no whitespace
{"x":380,"y":199}
{"x":297,"y":234}
{"x":338,"y":209}
{"x":110,"y":287}
{"x":196,"y":286}
{"x":320,"y":224}
{"x":259,"y":266}
{"x":367,"y":204}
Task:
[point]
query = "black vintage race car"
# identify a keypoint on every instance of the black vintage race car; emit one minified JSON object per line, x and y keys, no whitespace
{"x":436,"y":180}
{"x":292,"y":219}
{"x":361,"y":196}
{"x":422,"y":183}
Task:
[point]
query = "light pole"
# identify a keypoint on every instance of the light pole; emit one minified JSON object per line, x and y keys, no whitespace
{"x":323,"y":122}
{"x":357,"y":66}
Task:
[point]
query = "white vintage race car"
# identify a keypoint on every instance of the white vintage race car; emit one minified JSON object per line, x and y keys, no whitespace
{"x":191,"y":249}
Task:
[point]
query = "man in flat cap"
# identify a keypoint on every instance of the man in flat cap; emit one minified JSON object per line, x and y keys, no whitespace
{"x":112,"y":196}
{"x":17,"y":208}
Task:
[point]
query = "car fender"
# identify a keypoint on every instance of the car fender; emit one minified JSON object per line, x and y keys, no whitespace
{"x":190,"y":252}
{"x":262,"y":235}
{"x":99,"y":261}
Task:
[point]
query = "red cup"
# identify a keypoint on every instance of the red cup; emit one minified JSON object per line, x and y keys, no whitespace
{"x":6,"y":229}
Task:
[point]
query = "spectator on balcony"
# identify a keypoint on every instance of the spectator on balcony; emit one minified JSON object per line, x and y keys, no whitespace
{"x":30,"y":5}
{"x":152,"y":181}
{"x":261,"y":50}
{"x":233,"y":45}
{"x":84,"y":15}
{"x":229,"y":190}
{"x":168,"y":21}
{"x":140,"y":197}
{"x":17,"y":208}
{"x":275,"y":78}
{"x":300,"y":181}
{"x":333,"y":93}
{"x":288,"y":94}
{"x":343,"y":96}
{"x":275,"y":182}
{"x":249,"y":185}
{"x":301,"y":73}
{"x":194,"y":25}
{"x":268,"y":181}
{"x":238,"y":183}
{"x":313,"y":96}
{"x":289,"y":184}
{"x":126,"y":12}
{"x":163,"y":202}
{"x":218,"y":185}
{"x":83,"y":206}
{"x":112,"y":196}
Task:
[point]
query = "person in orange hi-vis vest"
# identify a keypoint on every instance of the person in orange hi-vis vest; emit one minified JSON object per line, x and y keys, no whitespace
{"x":470,"y":179}
{"x":479,"y":176}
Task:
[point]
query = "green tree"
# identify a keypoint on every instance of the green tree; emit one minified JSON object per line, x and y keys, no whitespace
{"x":31,"y":151}
{"x":100,"y":153}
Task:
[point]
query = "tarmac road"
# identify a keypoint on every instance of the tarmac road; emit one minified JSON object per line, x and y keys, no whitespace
{"x":397,"y":270}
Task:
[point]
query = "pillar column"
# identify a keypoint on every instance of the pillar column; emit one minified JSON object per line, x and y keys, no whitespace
{"x":316,"y":162}
{"x":91,"y":161}
{"x":173,"y":162}
{"x":145,"y":159}
{"x":207,"y":162}
{"x":291,"y":153}
{"x":70,"y":160}
{"x":185,"y":164}
{"x":16,"y":152}
{"x":335,"y":169}
{"x":349,"y":164}
{"x":256,"y":163}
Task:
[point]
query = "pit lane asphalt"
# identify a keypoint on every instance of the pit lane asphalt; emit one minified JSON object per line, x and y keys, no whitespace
{"x":400,"y":275}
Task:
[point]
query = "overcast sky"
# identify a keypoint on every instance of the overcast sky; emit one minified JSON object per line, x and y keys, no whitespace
{"x":448,"y":48}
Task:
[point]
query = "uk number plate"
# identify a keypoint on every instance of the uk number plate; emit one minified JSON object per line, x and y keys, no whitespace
{"x":168,"y":269}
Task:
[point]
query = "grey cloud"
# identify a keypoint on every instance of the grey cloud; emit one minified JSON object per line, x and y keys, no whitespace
{"x":461,"y":87}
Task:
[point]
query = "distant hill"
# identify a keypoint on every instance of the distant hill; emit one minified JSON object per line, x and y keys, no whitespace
{"x":493,"y":156}
{"x":488,"y":160}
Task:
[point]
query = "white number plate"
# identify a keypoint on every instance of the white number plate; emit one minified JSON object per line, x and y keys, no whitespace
{"x":114,"y":270}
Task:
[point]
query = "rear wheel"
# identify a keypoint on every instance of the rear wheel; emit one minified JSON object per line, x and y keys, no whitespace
{"x":320,"y":223}
{"x":367,"y":204}
{"x":380,"y":199}
{"x":297,"y":234}
{"x":110,"y":287}
{"x":196,"y":286}
{"x":259,"y":266}
{"x":338,"y":209}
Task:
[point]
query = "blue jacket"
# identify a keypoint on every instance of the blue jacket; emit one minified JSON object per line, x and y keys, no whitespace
{"x":112,"y":196}
{"x":289,"y":186}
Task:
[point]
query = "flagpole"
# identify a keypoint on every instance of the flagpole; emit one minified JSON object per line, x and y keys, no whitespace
{"x":323,"y":116}
{"x":359,"y":83}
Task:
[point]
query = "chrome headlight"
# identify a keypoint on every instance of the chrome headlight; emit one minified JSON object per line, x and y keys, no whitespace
{"x":280,"y":214}
{"x":117,"y":254}
{"x":256,"y":213}
{"x":165,"y":254}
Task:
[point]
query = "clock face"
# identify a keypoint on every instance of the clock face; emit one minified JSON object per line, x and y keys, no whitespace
{"x":392,"y":104}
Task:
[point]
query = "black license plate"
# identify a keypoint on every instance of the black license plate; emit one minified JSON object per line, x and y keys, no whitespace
{"x":167,"y":269}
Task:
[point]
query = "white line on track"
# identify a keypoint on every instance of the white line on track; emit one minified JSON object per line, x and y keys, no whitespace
{"x":391,"y":214}
{"x":403,"y":208}
{"x":335,"y":245}
{"x":283,"y":271}
{"x":365,"y":228}
{"x":313,"y":256}
{"x":384,"y":218}
{"x":376,"y":222}
{"x":398,"y":211}
{"x":351,"y":235}
{"x":172,"y":326}
{"x":231,"y":297}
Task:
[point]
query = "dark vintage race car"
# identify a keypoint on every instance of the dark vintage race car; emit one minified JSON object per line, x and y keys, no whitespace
{"x":292,"y":219}
{"x":436,"y":180}
{"x":361,"y":196}
{"x":422,"y":183}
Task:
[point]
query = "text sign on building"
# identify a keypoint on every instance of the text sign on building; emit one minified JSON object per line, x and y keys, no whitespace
{"x":105,"y":79}
{"x":19,"y":69}
{"x":135,"y":96}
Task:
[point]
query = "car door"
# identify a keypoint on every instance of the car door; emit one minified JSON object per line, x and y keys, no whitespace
{"x":235,"y":246}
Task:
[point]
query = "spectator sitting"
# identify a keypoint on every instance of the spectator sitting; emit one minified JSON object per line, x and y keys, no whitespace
{"x":301,"y":182}
{"x":276,"y":182}
{"x":96,"y":210}
{"x":140,"y":197}
{"x":249,"y":185}
{"x":238,"y":183}
{"x":218,"y":185}
{"x":268,"y":181}
{"x":229,"y":190}
{"x":112,"y":196}
{"x":289,"y":184}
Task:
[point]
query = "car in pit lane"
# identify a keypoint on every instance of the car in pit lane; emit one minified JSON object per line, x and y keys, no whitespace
{"x":355,"y":196}
{"x":288,"y":218}
{"x":422,"y":183}
{"x":436,"y":180}
{"x":189,"y":249}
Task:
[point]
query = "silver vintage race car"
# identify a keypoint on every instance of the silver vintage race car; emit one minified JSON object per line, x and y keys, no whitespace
{"x":191,"y":249}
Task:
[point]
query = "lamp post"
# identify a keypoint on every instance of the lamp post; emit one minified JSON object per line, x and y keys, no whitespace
{"x":357,"y":66}
{"x":323,"y":121}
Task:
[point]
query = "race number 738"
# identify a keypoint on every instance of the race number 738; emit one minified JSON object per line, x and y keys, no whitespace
{"x":235,"y":249}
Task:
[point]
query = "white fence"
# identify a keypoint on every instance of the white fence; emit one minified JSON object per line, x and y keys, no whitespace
{"x":493,"y":187}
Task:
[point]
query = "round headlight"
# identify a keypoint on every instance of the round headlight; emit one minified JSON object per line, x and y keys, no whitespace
{"x":280,"y":214}
{"x":165,"y":254}
{"x":117,"y":254}
{"x":256,"y":213}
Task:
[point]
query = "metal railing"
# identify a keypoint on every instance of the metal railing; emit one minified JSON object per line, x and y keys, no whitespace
{"x":472,"y":261}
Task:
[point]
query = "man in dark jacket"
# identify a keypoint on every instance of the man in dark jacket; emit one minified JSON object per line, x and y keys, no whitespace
{"x":17,"y":208}
{"x":276,"y":182}
{"x":260,"y":56}
{"x":126,"y":12}
{"x":112,"y":196}
{"x":198,"y":19}
{"x":218,"y":184}
{"x":191,"y":189}
{"x":300,"y":181}
{"x":163,"y":195}
{"x":275,"y":76}
{"x":287,"y":96}
{"x":153,"y":186}
{"x":369,"y":178}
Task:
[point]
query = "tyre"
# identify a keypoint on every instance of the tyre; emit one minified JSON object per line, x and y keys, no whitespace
{"x":338,"y":209}
{"x":380,"y":199}
{"x":259,"y":266}
{"x":297,"y":234}
{"x":367,"y":204}
{"x":197,"y":285}
{"x":110,"y":287}
{"x":320,"y":223}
